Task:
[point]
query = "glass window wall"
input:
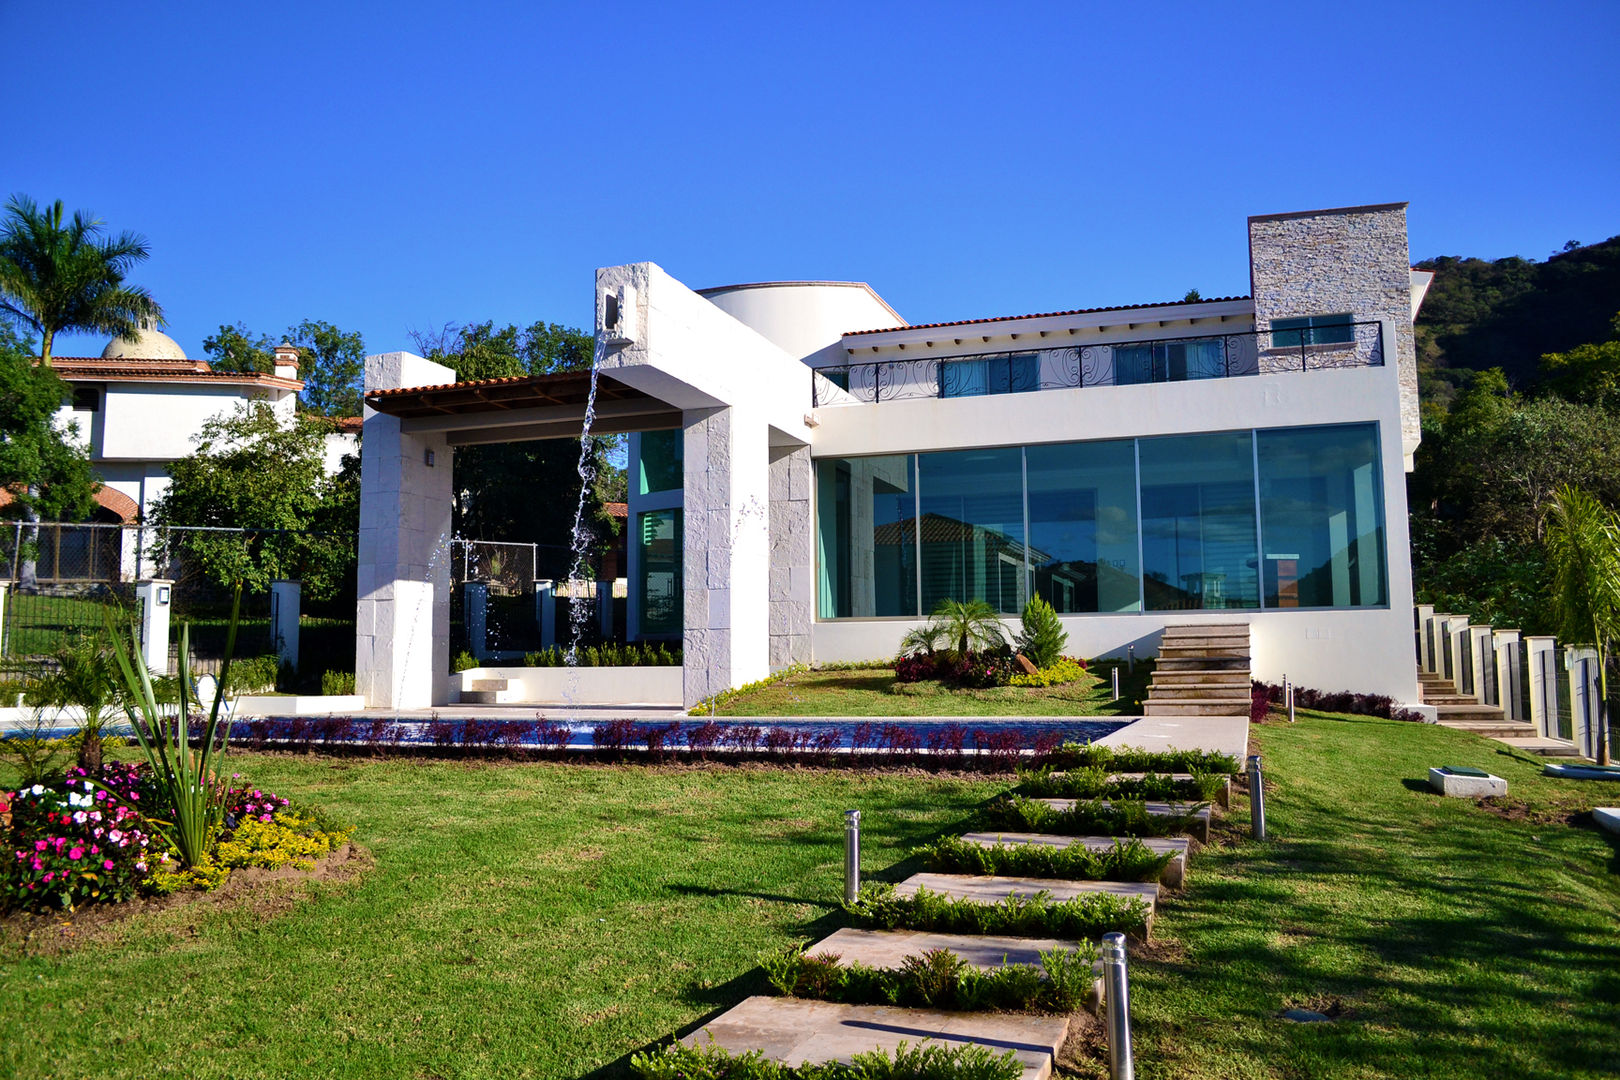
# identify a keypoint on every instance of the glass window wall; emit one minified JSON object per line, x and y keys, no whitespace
{"x":658,"y":535}
{"x":972,"y":514}
{"x":866,"y":537}
{"x":1199,"y":548}
{"x":1082,"y":526}
{"x":660,"y":461}
{"x":1321,"y":514}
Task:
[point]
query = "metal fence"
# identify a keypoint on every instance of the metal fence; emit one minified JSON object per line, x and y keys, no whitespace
{"x":1115,"y":363}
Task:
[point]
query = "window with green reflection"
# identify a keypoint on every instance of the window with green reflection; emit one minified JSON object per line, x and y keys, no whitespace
{"x":1322,"y":517}
{"x":1199,"y":548}
{"x":658,"y":536}
{"x":660,"y":461}
{"x":866,"y":537}
{"x":971,"y":517}
{"x":1082,"y":525}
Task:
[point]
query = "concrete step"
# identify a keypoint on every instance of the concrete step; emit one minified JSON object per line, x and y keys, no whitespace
{"x":1197,"y":707}
{"x":1200,"y":825}
{"x":1193,"y":650}
{"x":993,"y":890}
{"x":1207,"y":630}
{"x":1474,"y":713}
{"x":1228,"y":691}
{"x":798,"y":1032}
{"x":1185,"y":676}
{"x":1541,"y":745}
{"x":1504,"y":730}
{"x":1201,"y":663}
{"x":1451,"y":699}
{"x":1175,"y":873}
{"x":889,"y":948}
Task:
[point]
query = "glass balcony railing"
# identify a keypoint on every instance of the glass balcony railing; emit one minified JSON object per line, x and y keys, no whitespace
{"x":1114,"y":363}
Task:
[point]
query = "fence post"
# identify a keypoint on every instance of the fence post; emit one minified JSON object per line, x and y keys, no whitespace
{"x":545,"y":611}
{"x":155,"y":598}
{"x":284,"y":611}
{"x":852,"y":855}
{"x":1117,"y":1007}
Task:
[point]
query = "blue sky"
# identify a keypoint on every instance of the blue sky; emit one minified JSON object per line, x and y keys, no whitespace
{"x":402,"y":165}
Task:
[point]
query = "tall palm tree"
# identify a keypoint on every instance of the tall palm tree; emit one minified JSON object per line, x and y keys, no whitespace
{"x":60,"y":277}
{"x":1583,"y":550}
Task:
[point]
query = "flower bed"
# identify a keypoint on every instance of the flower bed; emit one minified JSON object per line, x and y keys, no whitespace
{"x":1091,"y":782}
{"x":1088,"y":817}
{"x":1039,"y":915}
{"x":1127,"y":860}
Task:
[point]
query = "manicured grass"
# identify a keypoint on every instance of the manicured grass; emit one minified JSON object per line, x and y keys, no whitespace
{"x":1462,"y":944}
{"x":521,"y":921}
{"x":874,"y":692}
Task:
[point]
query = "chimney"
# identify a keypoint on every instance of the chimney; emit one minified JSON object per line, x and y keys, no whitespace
{"x":286,"y":361}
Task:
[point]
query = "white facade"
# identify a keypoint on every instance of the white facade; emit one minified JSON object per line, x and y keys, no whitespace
{"x":774,"y":385}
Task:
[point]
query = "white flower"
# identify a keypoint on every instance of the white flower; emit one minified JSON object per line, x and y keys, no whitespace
{"x":37,"y":789}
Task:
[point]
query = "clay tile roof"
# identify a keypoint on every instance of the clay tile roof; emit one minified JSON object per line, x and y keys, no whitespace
{"x":1049,"y":314}
{"x":347,"y":425}
{"x":616,"y":510}
{"x":130,"y":369}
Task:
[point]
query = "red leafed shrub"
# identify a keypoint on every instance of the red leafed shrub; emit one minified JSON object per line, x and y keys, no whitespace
{"x":916,"y":668}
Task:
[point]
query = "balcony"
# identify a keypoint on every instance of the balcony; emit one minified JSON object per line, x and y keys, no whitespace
{"x":1114,"y":363}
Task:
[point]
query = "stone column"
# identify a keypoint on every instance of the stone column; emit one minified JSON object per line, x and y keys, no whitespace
{"x":1456,"y":633}
{"x":1425,"y":646}
{"x":284,"y":611}
{"x":475,"y":616}
{"x":155,"y":598}
{"x":1509,"y":673}
{"x":1541,"y":654}
{"x":792,"y":573}
{"x":545,"y":611}
{"x":726,"y":551}
{"x":1579,"y":661}
{"x":1479,"y":655}
{"x":402,"y":617}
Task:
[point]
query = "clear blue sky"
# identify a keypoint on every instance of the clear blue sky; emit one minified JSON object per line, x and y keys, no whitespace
{"x":396,"y":165}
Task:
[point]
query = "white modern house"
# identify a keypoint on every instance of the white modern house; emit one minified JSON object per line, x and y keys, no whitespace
{"x":810,"y":474}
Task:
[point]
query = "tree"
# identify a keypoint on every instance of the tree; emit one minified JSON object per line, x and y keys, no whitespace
{"x":234,"y":348}
{"x":1043,"y":637}
{"x":57,"y":278}
{"x":257,"y":471}
{"x":331,"y":361}
{"x":960,"y":627}
{"x":1583,"y":550}
{"x":83,"y":677}
{"x":1587,"y":373}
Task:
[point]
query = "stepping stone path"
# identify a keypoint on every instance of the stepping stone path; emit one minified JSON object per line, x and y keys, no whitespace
{"x":797,"y":1032}
{"x":1175,"y":873}
{"x":1200,"y":824}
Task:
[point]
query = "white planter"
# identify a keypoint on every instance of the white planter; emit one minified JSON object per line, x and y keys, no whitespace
{"x":300,"y":705}
{"x":581,"y":686}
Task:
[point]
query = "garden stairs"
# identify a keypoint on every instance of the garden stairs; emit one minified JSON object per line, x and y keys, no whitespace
{"x":1202,"y":670}
{"x":1464,"y":712}
{"x":798,"y":1031}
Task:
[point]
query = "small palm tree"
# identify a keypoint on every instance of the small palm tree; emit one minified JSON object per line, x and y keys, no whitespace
{"x":84,"y":677}
{"x":959,"y":627}
{"x":57,"y":277}
{"x":1583,"y":551}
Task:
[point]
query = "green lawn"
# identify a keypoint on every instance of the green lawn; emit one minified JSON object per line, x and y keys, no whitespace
{"x":546,"y":920}
{"x":874,"y":692}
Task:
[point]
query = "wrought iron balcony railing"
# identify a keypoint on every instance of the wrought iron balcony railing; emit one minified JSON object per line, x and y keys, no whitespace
{"x":1114,"y":363}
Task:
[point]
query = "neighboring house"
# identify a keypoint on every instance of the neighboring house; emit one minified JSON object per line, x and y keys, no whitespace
{"x":810,"y":474}
{"x":141,"y":404}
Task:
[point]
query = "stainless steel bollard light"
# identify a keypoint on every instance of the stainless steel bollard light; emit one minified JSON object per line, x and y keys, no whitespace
{"x":852,"y":855}
{"x":1290,"y":696}
{"x":1116,"y":682}
{"x":1117,"y":1007}
{"x":1257,"y":798}
{"x":1130,"y":657}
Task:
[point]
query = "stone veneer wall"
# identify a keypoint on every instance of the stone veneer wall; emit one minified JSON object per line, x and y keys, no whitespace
{"x":1324,"y":262}
{"x":792,"y":565}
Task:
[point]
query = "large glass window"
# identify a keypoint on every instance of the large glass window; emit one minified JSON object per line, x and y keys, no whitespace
{"x":1312,"y":330}
{"x":1170,"y":361}
{"x":1082,"y":525}
{"x":660,"y":462}
{"x":1016,"y":373}
{"x":1199,"y":548}
{"x":866,"y":537}
{"x":972,"y":521}
{"x":1322,"y":517}
{"x":658,"y":535}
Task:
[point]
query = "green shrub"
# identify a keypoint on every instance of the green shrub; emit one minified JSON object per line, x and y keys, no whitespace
{"x":1087,"y":817}
{"x":610,"y":654}
{"x":337,"y":683}
{"x":1060,"y":671}
{"x":1097,"y":783}
{"x":926,"y":1061}
{"x":1043,"y":636}
{"x":1086,"y":916}
{"x":254,"y":675}
{"x":1128,"y":759}
{"x":1127,"y":860}
{"x":938,"y":979}
{"x":464,"y":661}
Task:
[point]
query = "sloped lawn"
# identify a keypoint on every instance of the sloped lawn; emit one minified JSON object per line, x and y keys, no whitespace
{"x":874,"y":692}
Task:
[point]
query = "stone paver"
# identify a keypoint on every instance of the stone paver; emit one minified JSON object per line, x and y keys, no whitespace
{"x":1199,"y":827}
{"x":1608,"y":817}
{"x":797,"y":1032}
{"x":888,"y":948}
{"x":1175,"y":872}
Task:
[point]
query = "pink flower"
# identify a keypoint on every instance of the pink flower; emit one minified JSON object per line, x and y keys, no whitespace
{"x":76,"y":853}
{"x":115,"y":836}
{"x":94,"y":850}
{"x":141,"y":867}
{"x":50,"y":875}
{"x":107,"y":864}
{"x":38,"y":865}
{"x":266,"y":817}
{"x":39,"y":845}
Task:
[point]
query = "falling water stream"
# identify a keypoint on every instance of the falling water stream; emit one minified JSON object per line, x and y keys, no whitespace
{"x":578,"y":613}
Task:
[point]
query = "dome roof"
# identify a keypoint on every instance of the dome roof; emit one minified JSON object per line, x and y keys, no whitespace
{"x":149,"y":344}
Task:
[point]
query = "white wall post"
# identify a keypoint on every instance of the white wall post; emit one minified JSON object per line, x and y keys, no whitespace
{"x":1479,"y":657}
{"x":1456,"y":628}
{"x":475,"y":617}
{"x":545,"y":611}
{"x":156,"y":600}
{"x":284,"y":610}
{"x":1540,"y":654}
{"x":1425,"y":645}
{"x":1581,"y":663}
{"x":1509,"y":673}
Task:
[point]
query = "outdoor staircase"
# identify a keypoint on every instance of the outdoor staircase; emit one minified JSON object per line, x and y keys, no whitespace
{"x":1454,"y":709}
{"x":1202,"y":670}
{"x":483,"y":692}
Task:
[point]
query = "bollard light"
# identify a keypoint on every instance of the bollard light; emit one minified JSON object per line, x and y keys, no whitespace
{"x":1116,"y":682}
{"x":1117,"y":1007}
{"x":1290,"y":704}
{"x":852,"y":855}
{"x":1257,"y":798}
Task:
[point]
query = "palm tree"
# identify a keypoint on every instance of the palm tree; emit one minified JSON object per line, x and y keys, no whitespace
{"x":961,"y":627}
{"x":57,"y":277}
{"x":83,"y":677}
{"x":1583,"y":550}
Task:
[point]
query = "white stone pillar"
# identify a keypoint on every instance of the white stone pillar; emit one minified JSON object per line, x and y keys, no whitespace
{"x":1479,"y":655}
{"x":792,"y":569}
{"x":156,"y":600}
{"x":475,"y":616}
{"x":1509,"y":673}
{"x":726,"y":550}
{"x":1541,"y":655}
{"x":285,"y":601}
{"x":1581,"y":664}
{"x":1456,"y":630}
{"x":1425,"y":639}
{"x":545,"y":611}
{"x":402,"y":618}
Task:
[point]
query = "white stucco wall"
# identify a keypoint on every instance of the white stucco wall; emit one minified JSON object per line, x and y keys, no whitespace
{"x":804,"y":318}
{"x":160,"y":421}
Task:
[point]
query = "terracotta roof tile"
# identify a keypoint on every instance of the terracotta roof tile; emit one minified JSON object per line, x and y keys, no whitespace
{"x":95,"y":369}
{"x":1048,"y":315}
